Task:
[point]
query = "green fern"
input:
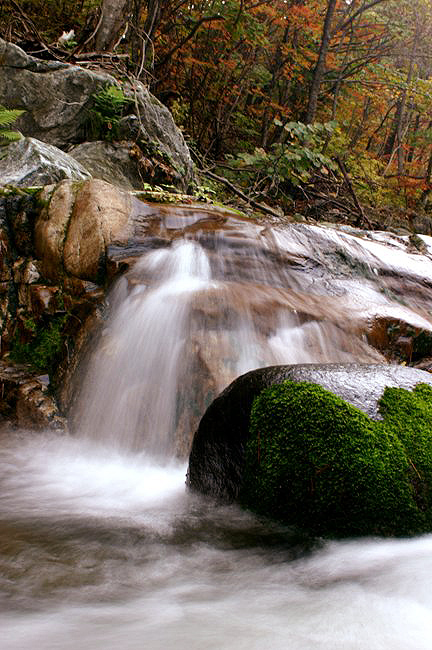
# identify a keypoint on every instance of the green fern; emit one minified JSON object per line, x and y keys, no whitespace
{"x":107,"y":110}
{"x":8,"y":117}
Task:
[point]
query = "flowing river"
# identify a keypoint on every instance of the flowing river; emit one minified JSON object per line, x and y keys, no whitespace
{"x":101,"y":544}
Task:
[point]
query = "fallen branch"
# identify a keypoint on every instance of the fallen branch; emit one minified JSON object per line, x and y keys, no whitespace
{"x":30,"y":24}
{"x":242,"y":195}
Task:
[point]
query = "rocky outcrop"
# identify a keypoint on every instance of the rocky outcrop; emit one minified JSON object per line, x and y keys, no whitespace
{"x":57,"y":98}
{"x":216,"y":462}
{"x":29,"y":162}
{"x":26,"y":400}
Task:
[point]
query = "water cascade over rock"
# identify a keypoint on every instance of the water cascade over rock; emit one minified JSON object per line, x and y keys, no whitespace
{"x":215,"y":296}
{"x":102,"y":546}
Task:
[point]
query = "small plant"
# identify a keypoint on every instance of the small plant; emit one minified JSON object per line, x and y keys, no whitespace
{"x":104,"y":117}
{"x":293,"y":158}
{"x":7,"y":118}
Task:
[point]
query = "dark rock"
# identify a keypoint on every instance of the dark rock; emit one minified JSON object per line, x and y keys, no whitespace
{"x":216,"y":461}
{"x":422,"y":224}
{"x":111,"y":162}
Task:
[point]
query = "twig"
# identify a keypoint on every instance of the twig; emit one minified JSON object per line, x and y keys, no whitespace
{"x":35,"y":30}
{"x":238,"y":192}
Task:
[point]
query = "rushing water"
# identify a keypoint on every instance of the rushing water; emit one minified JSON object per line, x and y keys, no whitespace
{"x":102,"y":550}
{"x":101,"y":545}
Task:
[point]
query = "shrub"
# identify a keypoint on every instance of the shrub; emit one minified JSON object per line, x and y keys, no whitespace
{"x":317,"y":462}
{"x":45,"y":346}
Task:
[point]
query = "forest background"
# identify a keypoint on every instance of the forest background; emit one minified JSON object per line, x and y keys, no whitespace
{"x":303,"y":107}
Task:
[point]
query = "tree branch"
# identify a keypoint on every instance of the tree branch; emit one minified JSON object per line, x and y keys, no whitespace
{"x":195,"y":28}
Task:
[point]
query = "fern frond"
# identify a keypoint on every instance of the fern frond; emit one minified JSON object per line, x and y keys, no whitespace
{"x":9,"y":116}
{"x":10,"y":136}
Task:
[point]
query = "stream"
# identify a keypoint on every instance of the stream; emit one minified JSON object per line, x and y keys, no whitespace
{"x":102,"y":546}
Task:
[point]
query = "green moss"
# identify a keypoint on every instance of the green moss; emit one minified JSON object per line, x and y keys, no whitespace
{"x":45,"y":345}
{"x":315,"y":461}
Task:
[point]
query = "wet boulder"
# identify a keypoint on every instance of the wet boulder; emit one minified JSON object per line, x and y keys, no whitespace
{"x":79,"y":222}
{"x":316,"y":462}
{"x":218,"y":465}
{"x":29,"y":162}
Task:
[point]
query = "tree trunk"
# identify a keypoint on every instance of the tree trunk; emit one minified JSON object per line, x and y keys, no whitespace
{"x":113,"y":19}
{"x":319,"y":70}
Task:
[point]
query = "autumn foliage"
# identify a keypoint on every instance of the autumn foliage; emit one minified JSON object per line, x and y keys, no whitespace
{"x":235,"y":73}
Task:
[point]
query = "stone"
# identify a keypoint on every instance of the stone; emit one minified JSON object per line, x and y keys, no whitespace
{"x":100,"y":216}
{"x":29,"y":162}
{"x":57,"y":98}
{"x":400,"y":341}
{"x":80,"y":222}
{"x":216,"y":461}
{"x":26,"y":271}
{"x":316,"y":462}
{"x":51,"y":227}
{"x":26,"y":399}
{"x":114,"y":162}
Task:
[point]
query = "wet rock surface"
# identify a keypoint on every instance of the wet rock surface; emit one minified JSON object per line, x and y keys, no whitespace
{"x":216,"y":461}
{"x":29,"y":162}
{"x":293,"y":294}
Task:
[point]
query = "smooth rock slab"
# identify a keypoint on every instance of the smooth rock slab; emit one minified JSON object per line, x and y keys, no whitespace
{"x":216,"y":461}
{"x":29,"y":162}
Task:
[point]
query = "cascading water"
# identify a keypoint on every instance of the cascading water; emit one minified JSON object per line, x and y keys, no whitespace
{"x":101,"y":547}
{"x":183,"y":323}
{"x":129,"y":396}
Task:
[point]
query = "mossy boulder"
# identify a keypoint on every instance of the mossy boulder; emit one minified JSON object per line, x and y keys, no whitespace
{"x":315,"y":461}
{"x":217,"y":458}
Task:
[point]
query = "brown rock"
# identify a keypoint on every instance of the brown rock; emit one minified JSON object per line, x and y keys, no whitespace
{"x":51,"y":228}
{"x":100,"y":216}
{"x":25,"y":399}
{"x":80,"y":222}
{"x":400,"y":341}
{"x":43,"y":299}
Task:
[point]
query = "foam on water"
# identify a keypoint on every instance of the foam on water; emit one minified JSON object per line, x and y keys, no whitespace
{"x":118,"y":555}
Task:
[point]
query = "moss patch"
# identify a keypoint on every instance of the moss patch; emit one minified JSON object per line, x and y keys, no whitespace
{"x":44,"y":346}
{"x":317,"y":462}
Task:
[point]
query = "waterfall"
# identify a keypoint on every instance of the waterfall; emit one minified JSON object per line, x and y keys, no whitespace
{"x":185,"y":321}
{"x":102,"y":547}
{"x":129,"y":392}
